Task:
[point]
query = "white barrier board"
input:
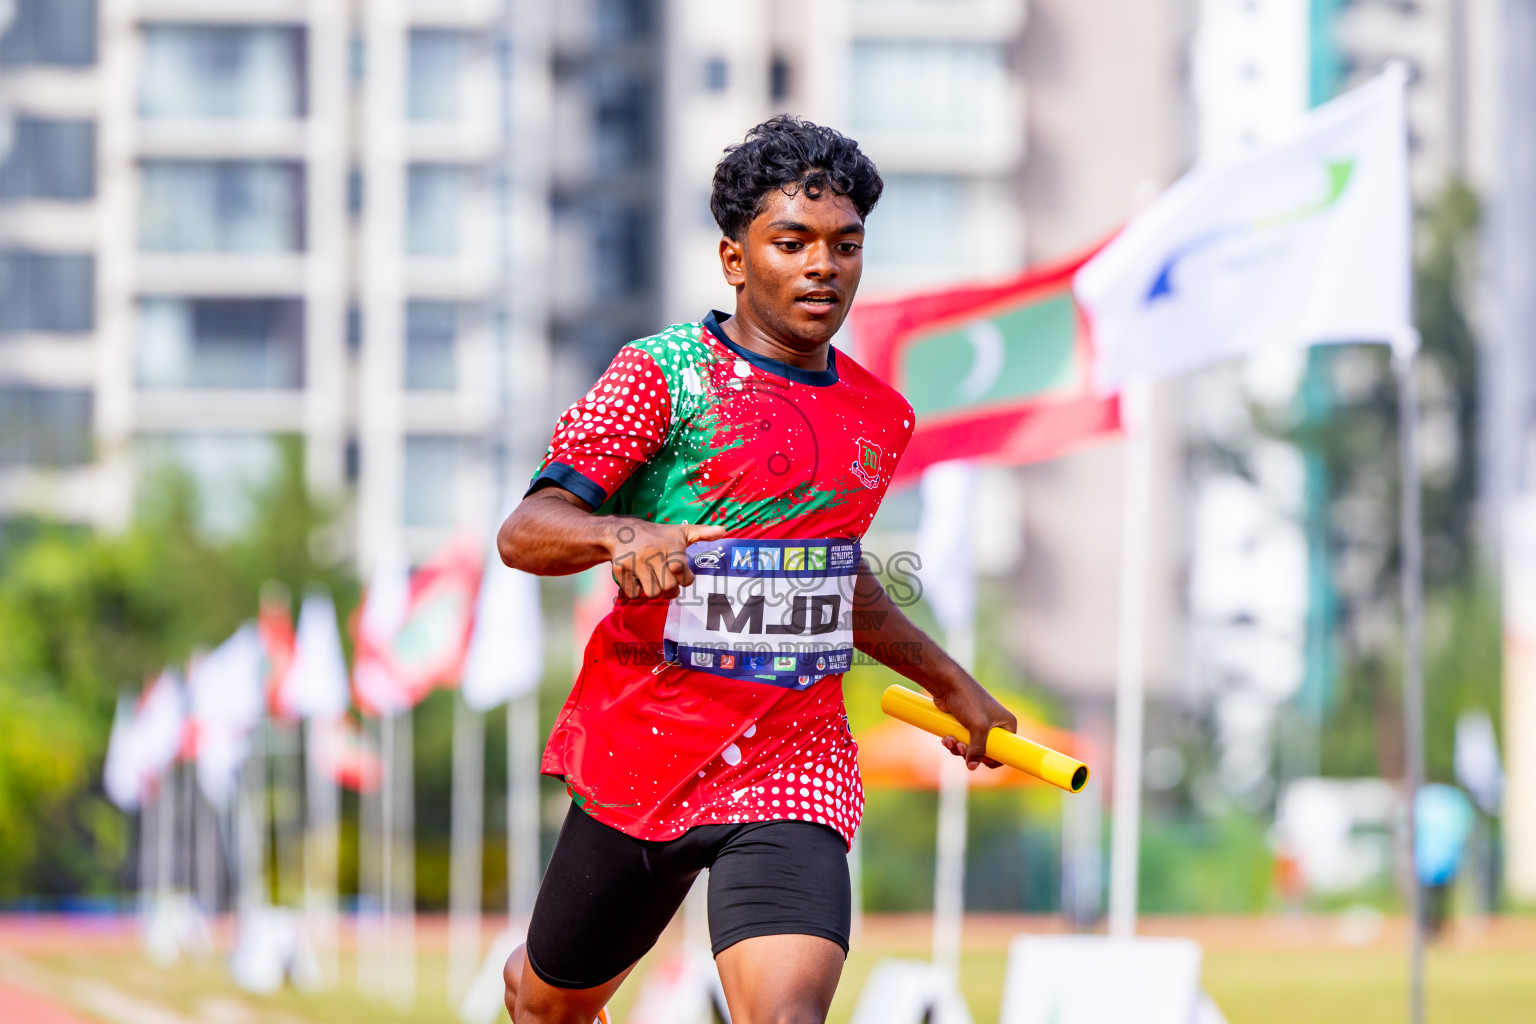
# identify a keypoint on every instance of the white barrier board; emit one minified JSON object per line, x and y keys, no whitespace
{"x":1089,"y":979}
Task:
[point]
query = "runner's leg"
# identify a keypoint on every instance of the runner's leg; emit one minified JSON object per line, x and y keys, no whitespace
{"x":604,"y":900}
{"x":531,"y":1001}
{"x":779,"y":913}
{"x":780,"y":979}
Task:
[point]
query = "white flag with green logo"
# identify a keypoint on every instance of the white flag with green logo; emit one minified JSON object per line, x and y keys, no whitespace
{"x":1303,"y":242}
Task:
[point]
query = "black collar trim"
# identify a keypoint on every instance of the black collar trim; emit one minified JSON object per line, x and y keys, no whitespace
{"x":813,"y":378}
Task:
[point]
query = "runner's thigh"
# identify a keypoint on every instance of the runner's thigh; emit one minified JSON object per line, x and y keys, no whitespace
{"x":780,"y":878}
{"x":604,"y":901}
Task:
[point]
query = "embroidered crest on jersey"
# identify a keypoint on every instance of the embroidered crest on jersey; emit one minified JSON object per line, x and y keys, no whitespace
{"x":867,"y":465}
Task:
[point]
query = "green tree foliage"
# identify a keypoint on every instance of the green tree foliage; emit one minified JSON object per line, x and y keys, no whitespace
{"x":1358,"y":443}
{"x":85,"y":616}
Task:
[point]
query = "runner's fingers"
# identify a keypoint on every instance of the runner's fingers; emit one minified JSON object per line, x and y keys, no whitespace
{"x":681,"y":572}
{"x":694,"y":533}
{"x":656,"y":577}
{"x":976,"y":751}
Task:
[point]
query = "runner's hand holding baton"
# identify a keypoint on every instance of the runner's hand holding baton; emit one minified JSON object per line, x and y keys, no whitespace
{"x":1031,"y":758}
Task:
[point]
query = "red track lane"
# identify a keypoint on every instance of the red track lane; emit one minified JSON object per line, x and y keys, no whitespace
{"x":18,"y":1007}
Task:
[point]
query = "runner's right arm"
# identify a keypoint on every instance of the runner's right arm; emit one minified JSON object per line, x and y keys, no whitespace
{"x":598,"y":443}
{"x":552,"y":532}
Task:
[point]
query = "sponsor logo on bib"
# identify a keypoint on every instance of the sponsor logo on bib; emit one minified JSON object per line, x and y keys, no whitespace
{"x":744,"y":558}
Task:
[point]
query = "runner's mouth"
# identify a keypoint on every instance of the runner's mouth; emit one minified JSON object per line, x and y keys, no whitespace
{"x":818,"y":301}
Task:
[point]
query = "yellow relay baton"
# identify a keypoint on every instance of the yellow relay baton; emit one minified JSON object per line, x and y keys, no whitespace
{"x":1027,"y":756}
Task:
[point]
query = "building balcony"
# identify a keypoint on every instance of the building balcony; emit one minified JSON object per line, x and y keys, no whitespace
{"x":222,"y":139}
{"x":50,"y":360}
{"x":70,"y":494}
{"x":49,"y":91}
{"x":50,"y":226}
{"x":984,"y":20}
{"x":219,"y":275}
{"x":259,"y":411}
{"x":469,"y":14}
{"x":211,"y":12}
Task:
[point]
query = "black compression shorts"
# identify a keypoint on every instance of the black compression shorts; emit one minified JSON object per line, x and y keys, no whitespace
{"x":607,"y":897}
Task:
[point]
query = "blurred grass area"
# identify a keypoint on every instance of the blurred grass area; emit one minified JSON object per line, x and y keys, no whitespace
{"x":1334,"y":985}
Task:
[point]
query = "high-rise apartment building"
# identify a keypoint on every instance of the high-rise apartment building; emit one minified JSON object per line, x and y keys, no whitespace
{"x":931,"y":91}
{"x":223,"y":223}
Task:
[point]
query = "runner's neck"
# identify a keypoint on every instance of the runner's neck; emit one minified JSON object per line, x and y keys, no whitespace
{"x":737,"y":342}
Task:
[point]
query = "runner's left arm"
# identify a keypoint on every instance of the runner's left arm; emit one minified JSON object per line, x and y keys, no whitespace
{"x":883,"y":631}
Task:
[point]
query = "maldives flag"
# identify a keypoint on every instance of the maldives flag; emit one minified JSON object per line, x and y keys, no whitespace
{"x":399,"y":663}
{"x":1002,"y":372}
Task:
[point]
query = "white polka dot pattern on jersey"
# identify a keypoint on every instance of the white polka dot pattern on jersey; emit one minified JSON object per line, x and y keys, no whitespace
{"x":616,"y":426}
{"x":776,"y":770}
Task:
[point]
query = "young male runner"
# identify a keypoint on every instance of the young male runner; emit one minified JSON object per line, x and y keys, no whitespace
{"x":726,"y":470}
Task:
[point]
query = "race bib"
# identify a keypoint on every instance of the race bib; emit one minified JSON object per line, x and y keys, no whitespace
{"x":771,"y":611}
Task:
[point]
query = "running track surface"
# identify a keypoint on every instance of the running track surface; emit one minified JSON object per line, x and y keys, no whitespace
{"x":18,"y":1007}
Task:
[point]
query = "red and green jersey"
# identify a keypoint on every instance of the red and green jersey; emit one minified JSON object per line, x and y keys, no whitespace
{"x":688,"y":427}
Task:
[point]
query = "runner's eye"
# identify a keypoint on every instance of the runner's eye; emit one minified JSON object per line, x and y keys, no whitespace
{"x":849,"y":248}
{"x":790,"y":245}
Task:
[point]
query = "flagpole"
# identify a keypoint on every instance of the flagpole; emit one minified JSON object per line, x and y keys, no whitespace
{"x":207,"y":856}
{"x":399,"y":870}
{"x":146,"y":861}
{"x":1403,"y":362}
{"x":321,"y":851}
{"x":370,"y":875}
{"x":1137,"y":405}
{"x":523,"y":854}
{"x":165,"y":841}
{"x":949,"y":857}
{"x":288,"y":823}
{"x":468,"y":831}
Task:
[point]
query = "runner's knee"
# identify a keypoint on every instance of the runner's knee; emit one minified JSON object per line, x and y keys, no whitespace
{"x":529,"y":1009}
{"x":793,"y":1013}
{"x":511,"y":974}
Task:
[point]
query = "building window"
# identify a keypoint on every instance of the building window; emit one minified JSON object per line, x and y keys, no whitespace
{"x":226,"y":469}
{"x":222,"y":71}
{"x":436,"y":75}
{"x":620,"y":21}
{"x":50,"y":160}
{"x":431,"y":480}
{"x":221,"y":343}
{"x":356,"y":191}
{"x":619,"y":247}
{"x":434,"y":193}
{"x":621,"y":120}
{"x":61,"y":32}
{"x":717,"y":74}
{"x":44,"y":426}
{"x":52,"y":292}
{"x":933,"y":88}
{"x":431,"y":336}
{"x":778,"y":79}
{"x":919,"y":214}
{"x":222,"y":206}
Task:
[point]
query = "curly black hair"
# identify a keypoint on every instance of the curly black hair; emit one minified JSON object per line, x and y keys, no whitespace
{"x":791,"y":155}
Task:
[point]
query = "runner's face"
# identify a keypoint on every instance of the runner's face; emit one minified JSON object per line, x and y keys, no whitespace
{"x":799,"y":266}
